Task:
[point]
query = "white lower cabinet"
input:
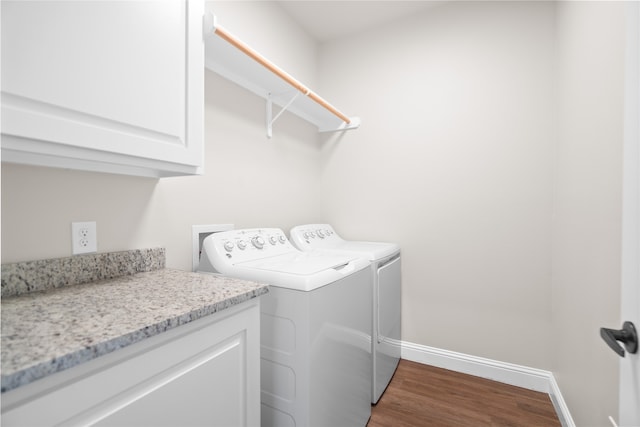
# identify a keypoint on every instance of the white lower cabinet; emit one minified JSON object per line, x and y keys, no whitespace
{"x":205,"y":373}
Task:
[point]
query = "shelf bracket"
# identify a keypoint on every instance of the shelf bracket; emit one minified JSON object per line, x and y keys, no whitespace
{"x":270,"y":119}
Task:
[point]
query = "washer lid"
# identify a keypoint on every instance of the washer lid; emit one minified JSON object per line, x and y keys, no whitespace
{"x":299,"y":263}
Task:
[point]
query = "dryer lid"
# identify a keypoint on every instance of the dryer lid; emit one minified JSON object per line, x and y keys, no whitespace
{"x":370,"y":250}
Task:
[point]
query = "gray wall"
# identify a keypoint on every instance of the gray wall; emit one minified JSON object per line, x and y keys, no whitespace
{"x":587,"y":205}
{"x":454,"y":160}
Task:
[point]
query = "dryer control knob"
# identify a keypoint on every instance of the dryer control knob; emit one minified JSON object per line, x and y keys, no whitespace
{"x":258,"y":242}
{"x":228,"y":246}
{"x":273,"y":240}
{"x":282,"y":239}
{"x":242,"y":244}
{"x":320,"y":234}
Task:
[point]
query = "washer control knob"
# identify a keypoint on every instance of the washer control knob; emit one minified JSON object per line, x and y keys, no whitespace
{"x":320,"y":234}
{"x":282,"y":239}
{"x":258,"y":242}
{"x":242,"y":245}
{"x":273,"y":240}
{"x":228,"y":246}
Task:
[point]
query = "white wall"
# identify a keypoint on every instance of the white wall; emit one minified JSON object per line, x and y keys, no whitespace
{"x":453,"y":161}
{"x":587,"y":205}
{"x":489,"y":149}
{"x":250,"y":181}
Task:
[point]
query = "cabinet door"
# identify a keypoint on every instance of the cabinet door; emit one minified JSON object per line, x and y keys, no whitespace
{"x":205,"y":373}
{"x":206,"y":390}
{"x":101,"y":84}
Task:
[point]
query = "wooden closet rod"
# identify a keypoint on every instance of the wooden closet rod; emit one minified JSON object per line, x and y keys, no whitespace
{"x":280,"y":73}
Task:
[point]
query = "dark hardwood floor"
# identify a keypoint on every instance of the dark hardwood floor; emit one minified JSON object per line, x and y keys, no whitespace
{"x":421,"y":395}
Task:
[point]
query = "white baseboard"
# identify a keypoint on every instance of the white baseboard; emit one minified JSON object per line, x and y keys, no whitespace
{"x":507,"y":373}
{"x":561,"y":406}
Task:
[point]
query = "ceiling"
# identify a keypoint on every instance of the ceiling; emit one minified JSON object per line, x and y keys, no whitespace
{"x":329,"y":20}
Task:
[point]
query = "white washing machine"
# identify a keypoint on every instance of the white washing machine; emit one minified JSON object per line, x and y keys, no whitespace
{"x":386,"y":283}
{"x":315,"y":327}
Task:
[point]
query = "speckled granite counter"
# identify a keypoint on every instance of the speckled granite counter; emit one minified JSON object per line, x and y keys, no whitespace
{"x":49,"y":331}
{"x":41,"y":275}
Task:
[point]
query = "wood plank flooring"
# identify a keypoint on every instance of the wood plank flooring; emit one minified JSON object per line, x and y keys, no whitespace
{"x":421,"y":395}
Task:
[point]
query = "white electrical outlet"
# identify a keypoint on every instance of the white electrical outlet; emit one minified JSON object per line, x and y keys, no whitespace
{"x":84,"y":238}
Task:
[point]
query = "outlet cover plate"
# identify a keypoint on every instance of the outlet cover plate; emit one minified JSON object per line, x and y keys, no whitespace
{"x":84,"y":239}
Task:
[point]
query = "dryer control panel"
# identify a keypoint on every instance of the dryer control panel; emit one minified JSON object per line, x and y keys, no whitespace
{"x":237,"y":246}
{"x":315,"y":236}
{"x":322,"y":237}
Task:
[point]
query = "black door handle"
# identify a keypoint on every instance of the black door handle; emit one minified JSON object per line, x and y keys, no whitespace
{"x":626,"y":335}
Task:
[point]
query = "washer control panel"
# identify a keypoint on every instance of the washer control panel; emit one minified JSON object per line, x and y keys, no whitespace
{"x":314,"y":236}
{"x":236,"y":246}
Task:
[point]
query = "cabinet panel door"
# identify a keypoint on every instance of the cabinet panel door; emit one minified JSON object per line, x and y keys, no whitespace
{"x":206,"y":390}
{"x":204,"y":373}
{"x":122,"y":77}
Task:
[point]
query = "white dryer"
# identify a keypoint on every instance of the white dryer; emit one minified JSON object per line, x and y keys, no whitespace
{"x":386,"y":282}
{"x":315,"y":327}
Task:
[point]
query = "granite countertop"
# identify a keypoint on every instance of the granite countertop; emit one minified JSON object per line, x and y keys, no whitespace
{"x":49,"y":331}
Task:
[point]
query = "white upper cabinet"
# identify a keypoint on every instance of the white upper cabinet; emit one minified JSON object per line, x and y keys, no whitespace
{"x":110,"y":86}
